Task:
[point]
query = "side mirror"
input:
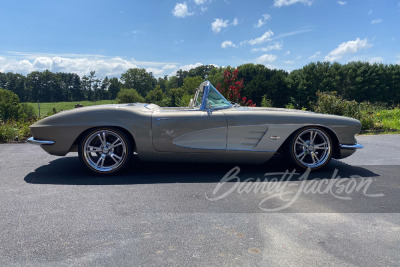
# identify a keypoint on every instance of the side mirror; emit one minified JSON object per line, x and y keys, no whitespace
{"x":209,"y":109}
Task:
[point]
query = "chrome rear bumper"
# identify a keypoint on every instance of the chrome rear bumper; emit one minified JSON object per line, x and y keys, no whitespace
{"x":352,"y":147}
{"x":39,"y":142}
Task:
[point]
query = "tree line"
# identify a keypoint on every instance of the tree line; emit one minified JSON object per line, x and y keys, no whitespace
{"x":360,"y":81}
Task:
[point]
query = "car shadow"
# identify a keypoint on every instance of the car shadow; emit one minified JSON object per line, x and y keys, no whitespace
{"x":68,"y":171}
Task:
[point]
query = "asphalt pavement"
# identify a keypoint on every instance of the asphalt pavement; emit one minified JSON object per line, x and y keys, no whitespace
{"x":53,"y":212}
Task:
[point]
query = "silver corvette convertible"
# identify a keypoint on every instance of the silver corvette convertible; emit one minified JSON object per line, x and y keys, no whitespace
{"x":209,"y":129}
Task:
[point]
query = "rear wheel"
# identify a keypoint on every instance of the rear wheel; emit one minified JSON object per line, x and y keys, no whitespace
{"x":105,"y":150}
{"x":310,"y":147}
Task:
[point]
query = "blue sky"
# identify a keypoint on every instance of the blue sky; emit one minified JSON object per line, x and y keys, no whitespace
{"x":163,"y":36}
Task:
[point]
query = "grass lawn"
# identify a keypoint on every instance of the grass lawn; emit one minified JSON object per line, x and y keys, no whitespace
{"x":46,"y":108}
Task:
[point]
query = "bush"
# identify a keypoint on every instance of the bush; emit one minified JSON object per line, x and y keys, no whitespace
{"x":9,"y":106}
{"x":265,"y":102}
{"x":331,"y":103}
{"x":129,"y":96}
{"x":28,"y":111}
{"x":8,"y":132}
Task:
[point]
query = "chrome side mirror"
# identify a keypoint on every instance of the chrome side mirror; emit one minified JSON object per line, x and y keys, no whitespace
{"x":209,"y":109}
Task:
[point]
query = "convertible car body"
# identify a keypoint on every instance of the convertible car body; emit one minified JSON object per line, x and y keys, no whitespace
{"x":210,"y":129}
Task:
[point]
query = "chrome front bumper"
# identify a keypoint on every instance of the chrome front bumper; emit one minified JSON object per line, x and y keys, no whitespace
{"x":351,"y":147}
{"x":348,"y":150}
{"x":39,"y":142}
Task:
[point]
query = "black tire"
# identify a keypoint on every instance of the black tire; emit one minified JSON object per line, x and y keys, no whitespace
{"x":310,"y":147}
{"x":105,"y":150}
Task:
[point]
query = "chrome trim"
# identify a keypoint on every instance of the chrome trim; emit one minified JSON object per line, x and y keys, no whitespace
{"x":40,"y":142}
{"x":355,"y":146}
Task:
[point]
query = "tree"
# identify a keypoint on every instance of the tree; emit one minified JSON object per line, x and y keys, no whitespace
{"x":202,"y":71}
{"x":139,"y":79}
{"x":114,"y":88}
{"x":176,"y":95}
{"x":190,"y":84}
{"x":129,"y":96}
{"x":9,"y":106}
{"x":231,"y":87}
{"x":156,"y":96}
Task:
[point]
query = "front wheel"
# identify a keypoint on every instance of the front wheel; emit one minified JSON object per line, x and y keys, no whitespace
{"x":310,"y":148}
{"x":105,"y":150}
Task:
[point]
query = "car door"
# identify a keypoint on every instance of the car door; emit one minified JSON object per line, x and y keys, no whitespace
{"x":189,"y":130}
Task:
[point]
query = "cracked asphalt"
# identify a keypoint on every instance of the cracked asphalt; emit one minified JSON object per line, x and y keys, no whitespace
{"x":52,"y":212}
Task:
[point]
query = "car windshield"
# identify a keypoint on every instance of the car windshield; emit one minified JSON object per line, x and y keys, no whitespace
{"x":214,"y":99}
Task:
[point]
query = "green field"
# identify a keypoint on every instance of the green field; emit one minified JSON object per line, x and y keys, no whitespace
{"x":47,"y":108}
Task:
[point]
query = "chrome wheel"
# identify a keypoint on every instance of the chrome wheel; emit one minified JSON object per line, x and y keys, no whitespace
{"x":104,"y":150}
{"x":312,"y":148}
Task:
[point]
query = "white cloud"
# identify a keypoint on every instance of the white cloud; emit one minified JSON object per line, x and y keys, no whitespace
{"x":235,"y":21}
{"x":200,"y":2}
{"x":275,"y":46}
{"x":262,"y":21}
{"x":185,"y":68}
{"x":287,"y":34}
{"x":262,"y":39}
{"x":349,"y":47}
{"x":82,"y":64}
{"x":287,"y":53}
{"x":156,"y":72}
{"x":181,"y":10}
{"x":218,"y":24}
{"x":226,"y":44}
{"x":316,"y":54}
{"x":265,"y":59}
{"x":25,"y":63}
{"x":170,"y":66}
{"x":289,"y":62}
{"x":281,"y":3}
{"x":376,"y":21}
{"x":342,"y":3}
{"x":375,"y":60}
{"x":370,"y":12}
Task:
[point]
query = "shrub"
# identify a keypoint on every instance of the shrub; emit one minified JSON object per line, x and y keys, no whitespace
{"x":265,"y":102}
{"x":28,"y":110}
{"x":9,"y":106}
{"x":129,"y":96}
{"x":8,"y":132}
{"x":331,"y":103}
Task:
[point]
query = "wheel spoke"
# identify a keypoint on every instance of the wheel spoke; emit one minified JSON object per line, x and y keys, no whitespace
{"x":301,"y":154}
{"x":102,"y":138}
{"x":321,"y":146}
{"x":94,"y":149}
{"x":312,"y":138}
{"x":305,"y":154}
{"x":300,"y":143}
{"x":115,"y":157}
{"x":115,"y":143}
{"x":101,"y":161}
